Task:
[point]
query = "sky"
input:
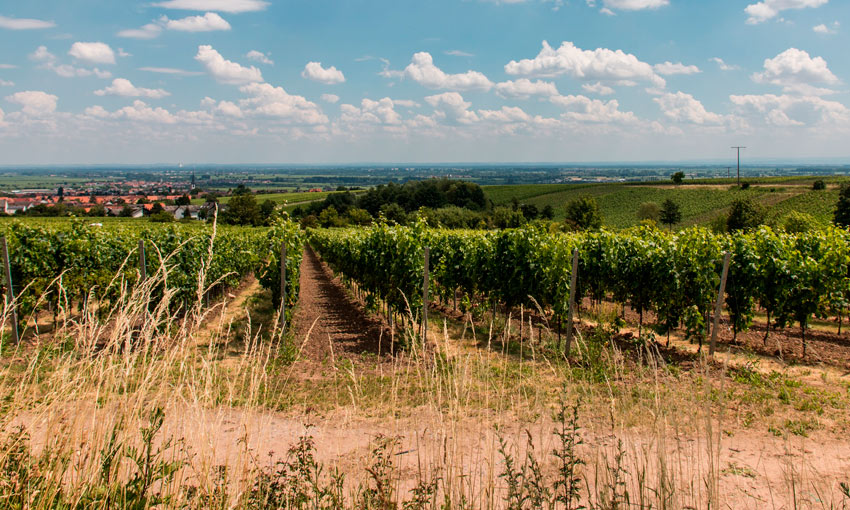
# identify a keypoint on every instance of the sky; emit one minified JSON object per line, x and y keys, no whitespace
{"x":403,"y":81}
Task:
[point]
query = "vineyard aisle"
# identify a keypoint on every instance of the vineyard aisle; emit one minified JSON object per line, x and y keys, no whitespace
{"x":328,"y":322}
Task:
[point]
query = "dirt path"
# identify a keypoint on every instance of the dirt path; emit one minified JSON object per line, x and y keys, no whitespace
{"x":328,"y":321}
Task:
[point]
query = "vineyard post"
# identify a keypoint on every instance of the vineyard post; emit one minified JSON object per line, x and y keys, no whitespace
{"x":282,"y":286}
{"x":425,"y":295}
{"x":142,"y":264}
{"x":571,"y":311}
{"x":10,"y":292}
{"x":718,"y":309}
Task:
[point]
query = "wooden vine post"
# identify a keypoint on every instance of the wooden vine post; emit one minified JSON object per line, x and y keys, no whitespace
{"x":718,"y":309}
{"x":425,"y":294}
{"x":282,"y":286}
{"x":10,"y":292}
{"x":572,"y":303}
{"x":143,"y":271}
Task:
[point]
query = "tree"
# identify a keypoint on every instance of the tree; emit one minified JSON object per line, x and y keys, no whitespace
{"x":126,"y":211}
{"x":267,"y":209}
{"x":548,"y":212}
{"x":143,"y":200}
{"x":744,"y":214}
{"x":648,"y":211}
{"x":819,"y":185}
{"x":670,"y":213}
{"x":797,"y":222}
{"x":583,"y":214}
{"x":842,"y":208}
{"x":162,"y":217}
{"x":529,"y":211}
{"x":394,"y":213}
{"x":330,"y":218}
{"x":183,"y":200}
{"x":358,"y":216}
{"x":506,"y":217}
{"x":242,"y":210}
{"x":242,"y":190}
{"x":678,"y":177}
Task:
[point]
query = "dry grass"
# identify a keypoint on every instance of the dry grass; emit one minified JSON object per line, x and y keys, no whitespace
{"x":123,"y":408}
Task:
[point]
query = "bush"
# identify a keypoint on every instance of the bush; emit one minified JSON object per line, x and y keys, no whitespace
{"x":649,"y":211}
{"x":745,"y":214}
{"x":161,"y":217}
{"x":797,"y":222}
{"x":583,"y":214}
{"x":745,"y":185}
{"x":678,"y":177}
{"x":819,"y":185}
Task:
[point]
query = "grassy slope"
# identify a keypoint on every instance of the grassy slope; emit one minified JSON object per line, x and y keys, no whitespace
{"x":619,"y":202}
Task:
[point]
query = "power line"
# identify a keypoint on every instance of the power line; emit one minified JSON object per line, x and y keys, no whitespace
{"x":739,"y":163}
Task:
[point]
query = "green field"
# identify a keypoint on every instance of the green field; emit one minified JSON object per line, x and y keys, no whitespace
{"x":699,"y":203}
{"x":289,"y":198}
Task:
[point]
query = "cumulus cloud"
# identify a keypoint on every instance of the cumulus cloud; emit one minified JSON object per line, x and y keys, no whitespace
{"x":423,"y":71}
{"x":49,"y":61}
{"x":669,"y":68}
{"x":123,"y":87}
{"x":824,"y":29}
{"x":371,"y":112}
{"x":450,"y":106}
{"x":260,"y":57}
{"x":226,"y":71}
{"x":583,"y":109}
{"x":330,"y":98}
{"x":269,"y":101}
{"x":232,"y":6}
{"x":601,"y":64}
{"x":170,"y":70}
{"x":209,"y":22}
{"x":597,"y":88}
{"x":330,"y":76}
{"x":229,"y":109}
{"x":4,"y":83}
{"x":683,"y":107}
{"x":786,"y":110}
{"x":524,"y":88}
{"x":34,"y":103}
{"x":24,"y":23}
{"x":149,"y":31}
{"x":93,"y":52}
{"x":506,"y":114}
{"x":723,"y":65}
{"x":796,"y":70}
{"x":769,"y":9}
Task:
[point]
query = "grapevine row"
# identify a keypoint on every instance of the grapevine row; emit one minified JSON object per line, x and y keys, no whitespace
{"x":674,"y":275}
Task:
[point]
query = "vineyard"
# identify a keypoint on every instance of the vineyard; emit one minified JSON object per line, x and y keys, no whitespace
{"x":55,"y":268}
{"x":676,"y":276}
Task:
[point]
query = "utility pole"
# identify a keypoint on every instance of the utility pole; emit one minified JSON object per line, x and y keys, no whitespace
{"x":739,"y":163}
{"x":728,"y":172}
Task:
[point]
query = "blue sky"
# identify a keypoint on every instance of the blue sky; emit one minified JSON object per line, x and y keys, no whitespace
{"x":345,"y":81}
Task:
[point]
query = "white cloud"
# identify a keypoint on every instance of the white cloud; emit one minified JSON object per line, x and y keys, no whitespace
{"x":229,"y":109}
{"x":170,"y":70}
{"x":524,"y":88}
{"x":683,"y":107}
{"x":260,"y":57}
{"x":786,"y":110}
{"x":458,"y":53}
{"x":600,"y":64}
{"x":34,"y":103}
{"x":824,"y":29}
{"x":4,"y":83}
{"x":269,"y":101}
{"x":632,"y":5}
{"x":584,"y":109}
{"x":24,"y":23}
{"x":123,"y":87}
{"x":371,"y":112}
{"x":209,"y":22}
{"x":795,"y":70}
{"x":149,"y":31}
{"x":7,"y":66}
{"x":768,"y":9}
{"x":225,"y":71}
{"x":330,"y":98}
{"x":451,"y":106}
{"x":423,"y":71}
{"x":669,"y":68}
{"x":407,"y":103}
{"x":597,"y":88}
{"x":505,"y":115}
{"x":93,"y":52}
{"x":330,"y":76}
{"x":232,"y":6}
{"x":138,"y":111}
{"x":723,"y":65}
{"x":50,"y":62}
